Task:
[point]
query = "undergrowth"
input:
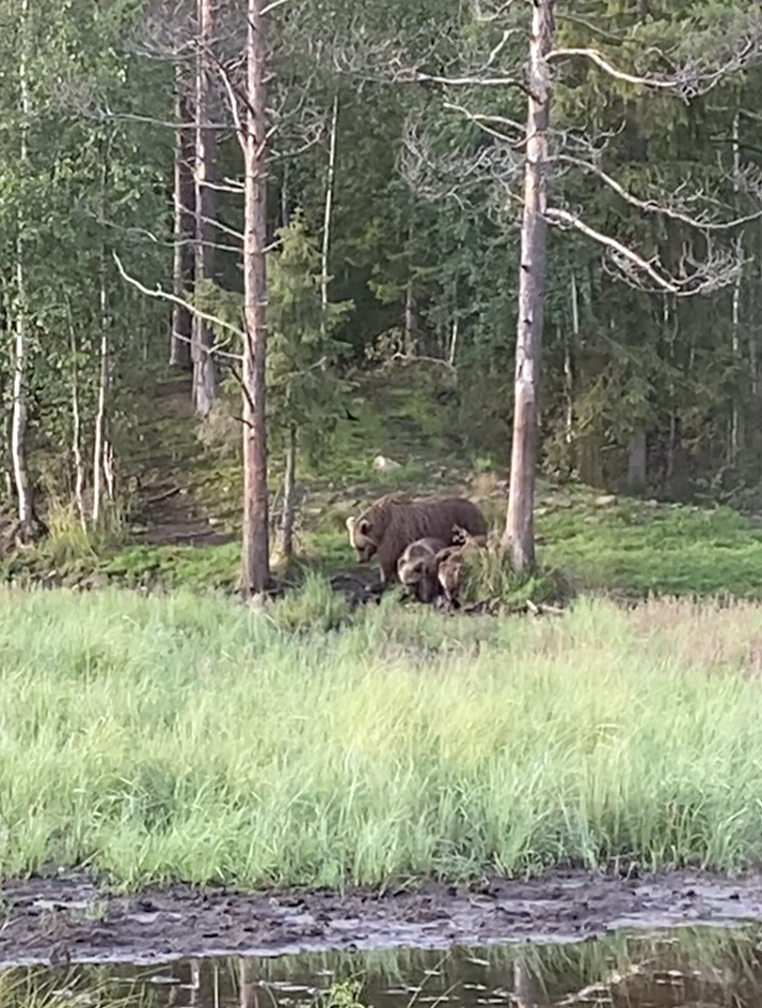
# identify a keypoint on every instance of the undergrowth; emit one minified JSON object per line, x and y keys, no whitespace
{"x":183,"y":737}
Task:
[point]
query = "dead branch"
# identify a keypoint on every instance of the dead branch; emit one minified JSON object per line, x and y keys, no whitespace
{"x":718,"y":271}
{"x":661,"y":208}
{"x":696,"y":76}
{"x":486,"y":122}
{"x":487,"y":17}
{"x":167,"y":296}
{"x":271,"y":6}
{"x":670,"y":84}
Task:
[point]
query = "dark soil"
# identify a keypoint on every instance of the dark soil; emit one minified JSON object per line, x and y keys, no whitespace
{"x":69,"y":918}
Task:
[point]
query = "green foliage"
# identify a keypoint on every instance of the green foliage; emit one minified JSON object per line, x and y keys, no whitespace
{"x":344,"y":994}
{"x":489,"y":577}
{"x":313,"y":607}
{"x":305,"y":391}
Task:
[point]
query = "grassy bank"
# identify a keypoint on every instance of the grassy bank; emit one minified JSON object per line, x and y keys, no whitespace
{"x":185,"y":737}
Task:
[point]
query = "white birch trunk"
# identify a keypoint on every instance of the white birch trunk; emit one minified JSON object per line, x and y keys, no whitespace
{"x":99,"y":446}
{"x":204,"y":370}
{"x":329,"y":200}
{"x":20,"y":417}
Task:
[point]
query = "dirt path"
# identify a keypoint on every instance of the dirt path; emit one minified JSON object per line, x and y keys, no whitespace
{"x":169,"y":511}
{"x":67,"y":918}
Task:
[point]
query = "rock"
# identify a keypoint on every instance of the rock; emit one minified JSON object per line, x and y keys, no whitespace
{"x":652,"y":503}
{"x":605,"y":500}
{"x":258,"y":602}
{"x":383,"y":464}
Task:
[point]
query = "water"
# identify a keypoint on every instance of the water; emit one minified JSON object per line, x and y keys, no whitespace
{"x":683,"y":968}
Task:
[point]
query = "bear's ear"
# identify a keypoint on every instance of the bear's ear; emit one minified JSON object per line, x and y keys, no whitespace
{"x":363,"y":526}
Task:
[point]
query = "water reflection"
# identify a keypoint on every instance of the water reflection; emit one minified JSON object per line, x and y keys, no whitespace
{"x":701,"y":967}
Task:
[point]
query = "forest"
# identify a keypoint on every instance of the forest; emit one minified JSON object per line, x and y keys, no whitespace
{"x":268,"y":260}
{"x":541,"y":226}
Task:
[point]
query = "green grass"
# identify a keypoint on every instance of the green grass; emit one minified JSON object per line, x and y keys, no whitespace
{"x":670,"y":550}
{"x":186,"y":737}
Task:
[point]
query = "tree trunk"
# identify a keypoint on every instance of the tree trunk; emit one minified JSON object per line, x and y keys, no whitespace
{"x":76,"y":431}
{"x":289,"y":499}
{"x":248,"y":992}
{"x":735,"y":436}
{"x":329,"y":201}
{"x":185,"y":216}
{"x":100,"y":446}
{"x":411,"y":321}
{"x":20,"y":417}
{"x":255,"y":576}
{"x":204,"y":371}
{"x":519,"y":529}
{"x":637,"y":463}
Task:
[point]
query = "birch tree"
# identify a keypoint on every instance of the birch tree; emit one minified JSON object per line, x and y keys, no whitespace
{"x":204,"y":371}
{"x":184,"y":219}
{"x":19,"y":422}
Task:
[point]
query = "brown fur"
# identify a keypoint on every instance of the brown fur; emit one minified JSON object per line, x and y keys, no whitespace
{"x":395,"y":520}
{"x":450,"y":561}
{"x":416,"y":568}
{"x":450,"y":572}
{"x":462,"y":537}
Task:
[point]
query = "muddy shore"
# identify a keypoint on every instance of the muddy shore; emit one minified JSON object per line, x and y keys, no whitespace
{"x":69,"y":918}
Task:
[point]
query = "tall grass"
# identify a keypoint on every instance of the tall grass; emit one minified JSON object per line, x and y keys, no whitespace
{"x":187,"y":737}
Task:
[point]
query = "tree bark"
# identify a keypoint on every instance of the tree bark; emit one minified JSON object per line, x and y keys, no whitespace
{"x":255,"y":575}
{"x":637,"y":462}
{"x":329,"y":201}
{"x":519,"y":529}
{"x":204,"y":371}
{"x":185,"y":216}
{"x":20,"y":413}
{"x":104,"y":373}
{"x":76,"y":435}
{"x":289,"y":499}
{"x":735,"y":419}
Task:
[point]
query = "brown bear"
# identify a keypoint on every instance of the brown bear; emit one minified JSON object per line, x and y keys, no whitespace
{"x":395,"y":520}
{"x":449,"y":567}
{"x":449,"y":563}
{"x":416,"y":567}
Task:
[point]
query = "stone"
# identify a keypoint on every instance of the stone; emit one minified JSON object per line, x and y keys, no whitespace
{"x":383,"y":464}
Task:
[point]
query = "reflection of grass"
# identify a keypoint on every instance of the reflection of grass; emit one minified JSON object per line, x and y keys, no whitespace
{"x":186,"y":736}
{"x":719,"y":966}
{"x":94,"y":985}
{"x":722,"y":965}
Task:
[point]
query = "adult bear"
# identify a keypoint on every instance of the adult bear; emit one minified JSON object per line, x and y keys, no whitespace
{"x":395,"y":520}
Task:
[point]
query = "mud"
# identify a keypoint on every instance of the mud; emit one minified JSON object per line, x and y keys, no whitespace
{"x":68,"y":917}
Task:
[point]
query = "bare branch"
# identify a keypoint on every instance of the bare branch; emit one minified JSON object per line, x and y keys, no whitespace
{"x":167,"y":296}
{"x":699,"y":74}
{"x":485,"y":122}
{"x":598,"y":58}
{"x":718,"y":271}
{"x":508,"y":33}
{"x":271,"y":6}
{"x":410,"y":74}
{"x":489,"y":16}
{"x":663,"y":209}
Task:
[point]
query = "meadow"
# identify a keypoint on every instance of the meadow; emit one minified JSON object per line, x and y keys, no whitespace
{"x":181,"y":736}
